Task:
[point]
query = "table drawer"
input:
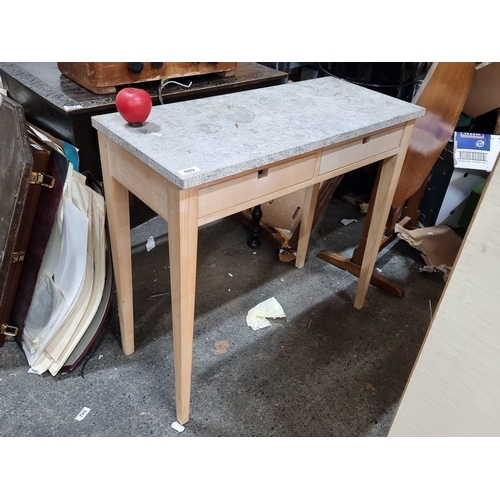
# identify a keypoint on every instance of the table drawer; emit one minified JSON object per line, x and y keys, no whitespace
{"x":359,"y":149}
{"x":244,"y":189}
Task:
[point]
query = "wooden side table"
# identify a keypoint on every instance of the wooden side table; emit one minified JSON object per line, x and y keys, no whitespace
{"x":195,"y":162}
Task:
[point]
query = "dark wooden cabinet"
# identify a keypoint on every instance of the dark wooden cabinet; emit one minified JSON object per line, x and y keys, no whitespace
{"x":64,"y":108}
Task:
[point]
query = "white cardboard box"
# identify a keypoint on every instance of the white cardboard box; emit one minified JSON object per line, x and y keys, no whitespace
{"x":475,"y":151}
{"x":474,"y":156}
{"x":462,"y":182}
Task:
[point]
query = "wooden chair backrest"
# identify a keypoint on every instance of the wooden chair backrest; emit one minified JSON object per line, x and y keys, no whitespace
{"x":443,"y":93}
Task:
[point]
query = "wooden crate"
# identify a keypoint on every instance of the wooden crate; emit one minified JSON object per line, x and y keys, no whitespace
{"x":104,"y":77}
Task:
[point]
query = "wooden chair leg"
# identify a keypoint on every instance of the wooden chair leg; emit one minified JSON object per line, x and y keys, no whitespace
{"x":406,"y":217}
{"x":443,"y":93}
{"x":255,"y":226}
{"x":411,"y":209}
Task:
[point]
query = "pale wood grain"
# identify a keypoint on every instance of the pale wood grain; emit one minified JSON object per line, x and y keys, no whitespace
{"x":364,"y":147}
{"x":389,"y":177}
{"x":117,"y":206}
{"x":306,"y":223}
{"x":186,"y":209}
{"x":183,"y":247}
{"x":148,"y":185}
{"x":454,"y":388}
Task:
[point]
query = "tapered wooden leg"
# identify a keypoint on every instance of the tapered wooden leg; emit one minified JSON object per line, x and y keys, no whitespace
{"x":118,"y":215}
{"x":306,"y":223}
{"x":183,"y":245}
{"x":388,"y":180}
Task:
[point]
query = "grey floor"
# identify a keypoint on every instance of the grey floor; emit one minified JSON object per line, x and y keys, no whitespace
{"x":324,"y":370}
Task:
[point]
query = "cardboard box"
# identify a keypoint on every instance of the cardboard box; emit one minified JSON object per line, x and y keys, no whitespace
{"x":462,"y":182}
{"x":474,"y":156}
{"x":476,"y":151}
{"x":485,"y":93}
{"x":284,"y":212}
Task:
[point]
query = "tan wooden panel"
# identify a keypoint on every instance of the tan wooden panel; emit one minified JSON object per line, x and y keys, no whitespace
{"x":361,"y":148}
{"x":262,"y":182}
{"x":454,"y":389}
{"x":142,"y":181}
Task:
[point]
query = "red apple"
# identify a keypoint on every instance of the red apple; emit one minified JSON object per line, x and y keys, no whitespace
{"x":134,"y":105}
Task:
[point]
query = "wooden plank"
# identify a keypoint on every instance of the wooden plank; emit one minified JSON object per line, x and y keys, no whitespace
{"x":454,"y":388}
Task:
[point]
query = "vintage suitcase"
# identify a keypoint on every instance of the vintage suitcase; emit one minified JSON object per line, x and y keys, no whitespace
{"x":24,"y":176}
{"x":104,"y":77}
{"x":33,"y":170}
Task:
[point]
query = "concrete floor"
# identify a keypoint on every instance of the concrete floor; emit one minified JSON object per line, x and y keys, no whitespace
{"x":325,"y":370}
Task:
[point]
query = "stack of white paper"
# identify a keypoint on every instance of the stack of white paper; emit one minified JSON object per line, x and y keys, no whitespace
{"x":71,"y":280}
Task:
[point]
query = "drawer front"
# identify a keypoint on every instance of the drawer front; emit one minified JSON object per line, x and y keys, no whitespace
{"x":248,"y":187}
{"x":359,"y":149}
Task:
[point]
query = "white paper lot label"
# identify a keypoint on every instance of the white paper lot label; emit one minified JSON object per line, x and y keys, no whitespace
{"x":190,"y":170}
{"x":83,"y":413}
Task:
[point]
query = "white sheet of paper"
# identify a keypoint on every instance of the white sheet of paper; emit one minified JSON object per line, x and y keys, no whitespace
{"x":71,"y":266}
{"x":270,"y":308}
{"x":58,"y":295}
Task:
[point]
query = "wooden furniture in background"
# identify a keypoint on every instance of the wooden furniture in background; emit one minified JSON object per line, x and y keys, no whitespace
{"x":287,"y":247}
{"x":443,"y":94}
{"x":64,"y":108}
{"x":219,"y":156}
{"x":485,"y":93}
{"x":105,"y":77}
{"x":454,"y":387}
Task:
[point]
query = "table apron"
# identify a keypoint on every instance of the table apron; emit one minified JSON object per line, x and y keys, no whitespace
{"x":232,"y":195}
{"x":260,"y":193}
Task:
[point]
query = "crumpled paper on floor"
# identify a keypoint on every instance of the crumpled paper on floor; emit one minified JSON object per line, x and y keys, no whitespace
{"x":270,"y":308}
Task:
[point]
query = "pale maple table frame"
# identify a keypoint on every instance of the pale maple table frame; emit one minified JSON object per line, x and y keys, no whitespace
{"x":190,"y":197}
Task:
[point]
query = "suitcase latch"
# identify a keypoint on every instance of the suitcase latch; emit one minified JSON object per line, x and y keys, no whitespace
{"x":42,"y":179}
{"x":17,"y":257}
{"x":9,"y":330}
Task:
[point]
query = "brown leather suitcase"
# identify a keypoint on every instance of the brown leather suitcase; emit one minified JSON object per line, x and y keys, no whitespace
{"x":104,"y":77}
{"x":24,"y":176}
{"x":33,"y":171}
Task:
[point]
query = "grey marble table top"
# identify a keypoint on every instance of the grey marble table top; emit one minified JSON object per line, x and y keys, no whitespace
{"x":195,"y":142}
